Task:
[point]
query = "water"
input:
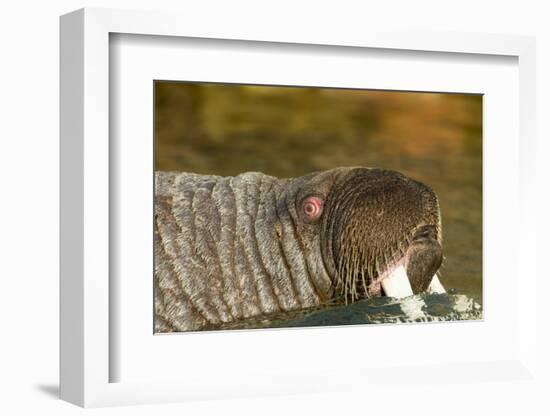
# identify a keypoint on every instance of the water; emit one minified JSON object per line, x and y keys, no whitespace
{"x":286,"y":132}
{"x":435,"y":307}
{"x":384,"y":310}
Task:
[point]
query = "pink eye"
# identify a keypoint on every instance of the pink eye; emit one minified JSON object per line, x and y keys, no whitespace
{"x":312,"y":207}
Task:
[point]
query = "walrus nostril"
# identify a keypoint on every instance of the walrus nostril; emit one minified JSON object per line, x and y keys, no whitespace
{"x":425,"y":232}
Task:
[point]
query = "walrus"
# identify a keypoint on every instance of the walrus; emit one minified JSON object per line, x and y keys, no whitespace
{"x":231,"y":249}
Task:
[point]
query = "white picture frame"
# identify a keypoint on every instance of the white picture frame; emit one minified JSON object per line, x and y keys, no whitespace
{"x":86,"y":166}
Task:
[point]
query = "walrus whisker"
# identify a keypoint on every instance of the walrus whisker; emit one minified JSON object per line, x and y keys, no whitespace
{"x":352,"y":273}
{"x":345,"y":283}
{"x":365,"y":291}
{"x":354,"y":279}
{"x":346,"y":288}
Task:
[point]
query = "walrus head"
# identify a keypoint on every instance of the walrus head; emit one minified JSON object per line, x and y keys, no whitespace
{"x":378,"y":231}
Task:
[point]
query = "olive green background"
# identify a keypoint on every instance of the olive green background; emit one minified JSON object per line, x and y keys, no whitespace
{"x":436,"y":138}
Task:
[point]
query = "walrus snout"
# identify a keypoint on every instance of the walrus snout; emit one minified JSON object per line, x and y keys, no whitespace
{"x":382,"y":234}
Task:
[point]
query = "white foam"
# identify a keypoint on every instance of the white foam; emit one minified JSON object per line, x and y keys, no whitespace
{"x":463,"y":304}
{"x":412,"y":308}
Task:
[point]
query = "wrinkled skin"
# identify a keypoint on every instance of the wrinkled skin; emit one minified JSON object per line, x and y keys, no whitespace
{"x":230,"y":249}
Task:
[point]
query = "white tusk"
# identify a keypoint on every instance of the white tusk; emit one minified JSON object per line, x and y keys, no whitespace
{"x":436,"y":286}
{"x":397,"y":284}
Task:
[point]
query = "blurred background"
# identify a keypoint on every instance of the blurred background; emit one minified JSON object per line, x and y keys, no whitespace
{"x":436,"y":138}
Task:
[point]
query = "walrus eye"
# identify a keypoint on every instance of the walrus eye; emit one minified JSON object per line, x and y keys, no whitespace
{"x":312,"y":207}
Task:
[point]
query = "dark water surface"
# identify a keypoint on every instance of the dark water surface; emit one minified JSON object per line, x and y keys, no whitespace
{"x":435,"y":138}
{"x":445,"y":307}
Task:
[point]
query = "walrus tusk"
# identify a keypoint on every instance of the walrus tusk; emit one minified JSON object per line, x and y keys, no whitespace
{"x":397,"y":284}
{"x":436,"y":286}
